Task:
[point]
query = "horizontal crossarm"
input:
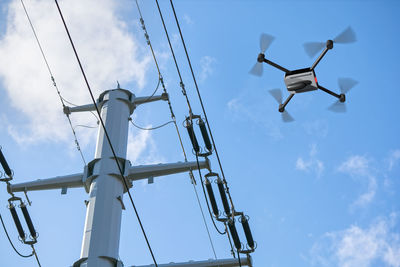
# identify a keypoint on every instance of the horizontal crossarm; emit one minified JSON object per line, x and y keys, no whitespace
{"x":154,"y":170}
{"x":67,"y":181}
{"x":207,"y":263}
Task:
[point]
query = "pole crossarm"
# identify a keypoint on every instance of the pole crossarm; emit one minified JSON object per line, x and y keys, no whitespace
{"x":134,"y":173}
{"x":208,"y":263}
{"x":67,"y":181}
{"x":150,"y":171}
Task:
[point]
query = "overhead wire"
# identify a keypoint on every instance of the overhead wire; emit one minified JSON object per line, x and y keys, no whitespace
{"x":10,"y":241}
{"x":152,"y":128}
{"x":106,"y":134}
{"x":189,"y":106}
{"x":191,"y":114}
{"x":202,"y":106}
{"x":53,"y":80}
{"x":193,"y":180}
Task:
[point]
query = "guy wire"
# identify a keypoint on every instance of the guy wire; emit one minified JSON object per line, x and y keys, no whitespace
{"x":106,"y":134}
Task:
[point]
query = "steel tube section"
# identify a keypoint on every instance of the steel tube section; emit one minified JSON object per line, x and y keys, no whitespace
{"x":207,"y":263}
{"x":100,"y":244}
{"x":146,"y":99}
{"x":147,"y":171}
{"x":89,"y":107}
{"x":73,"y":180}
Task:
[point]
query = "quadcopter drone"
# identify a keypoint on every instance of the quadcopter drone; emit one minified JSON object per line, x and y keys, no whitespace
{"x":304,"y":80}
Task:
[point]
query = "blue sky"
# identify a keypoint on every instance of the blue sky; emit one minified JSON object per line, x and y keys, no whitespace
{"x":320,"y":191}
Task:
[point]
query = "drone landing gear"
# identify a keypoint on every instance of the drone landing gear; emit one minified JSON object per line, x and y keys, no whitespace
{"x":282,"y":106}
{"x":341,"y":97}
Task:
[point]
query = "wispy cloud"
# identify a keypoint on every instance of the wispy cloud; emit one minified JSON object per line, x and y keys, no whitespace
{"x":378,"y":245}
{"x":207,"y":67}
{"x":241,"y":111}
{"x":317,"y":128}
{"x":312,"y":164}
{"x":393,"y":159}
{"x":358,"y":166}
{"x":188,"y":19}
{"x":108,"y":50}
{"x":141,"y":147}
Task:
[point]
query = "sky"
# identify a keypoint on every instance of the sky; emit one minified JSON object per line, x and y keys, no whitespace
{"x":319,"y":191}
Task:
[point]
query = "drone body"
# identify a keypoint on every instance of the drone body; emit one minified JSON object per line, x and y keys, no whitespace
{"x":305,"y":80}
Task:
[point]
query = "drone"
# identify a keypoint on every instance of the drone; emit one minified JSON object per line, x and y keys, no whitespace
{"x":305,"y":80}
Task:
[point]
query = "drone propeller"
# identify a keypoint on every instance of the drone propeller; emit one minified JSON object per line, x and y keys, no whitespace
{"x":265,"y":42}
{"x":345,"y":37}
{"x":277,"y":94}
{"x":345,"y":85}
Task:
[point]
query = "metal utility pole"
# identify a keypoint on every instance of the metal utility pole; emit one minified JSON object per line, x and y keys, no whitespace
{"x":102,"y":180}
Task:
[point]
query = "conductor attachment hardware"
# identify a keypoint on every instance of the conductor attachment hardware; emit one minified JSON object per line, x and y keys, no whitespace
{"x":188,"y":124}
{"x":13,"y":203}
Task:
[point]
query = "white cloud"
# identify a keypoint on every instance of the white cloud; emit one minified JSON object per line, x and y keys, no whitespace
{"x":207,"y":67}
{"x":312,"y":164}
{"x":377,"y":245}
{"x":317,"y":128}
{"x":141,"y":148}
{"x":108,"y":51}
{"x":359,"y":167}
{"x":255,"y":114}
{"x":393,"y":159}
{"x":188,"y":19}
{"x":356,"y":165}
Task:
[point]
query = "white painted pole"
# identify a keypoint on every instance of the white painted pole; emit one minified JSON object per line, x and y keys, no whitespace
{"x":101,"y":235}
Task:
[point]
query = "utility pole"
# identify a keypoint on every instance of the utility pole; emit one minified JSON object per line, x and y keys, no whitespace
{"x":103,"y":182}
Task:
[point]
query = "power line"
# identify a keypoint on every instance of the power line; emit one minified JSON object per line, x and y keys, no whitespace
{"x":189,"y":106}
{"x":152,"y":128}
{"x":53,"y":80}
{"x":11,"y":243}
{"x":193,"y":180}
{"x":202,"y":106}
{"x":106,"y":134}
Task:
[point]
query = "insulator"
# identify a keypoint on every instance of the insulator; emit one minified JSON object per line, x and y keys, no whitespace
{"x":212,"y":197}
{"x":246,"y":228}
{"x":192,"y":136}
{"x":28,"y":221}
{"x":234,"y":234}
{"x":17,"y":222}
{"x":223,"y":197}
{"x":4,"y":163}
{"x":204,"y":133}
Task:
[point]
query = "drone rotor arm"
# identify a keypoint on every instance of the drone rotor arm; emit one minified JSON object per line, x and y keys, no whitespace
{"x":273,"y":64}
{"x":320,"y":57}
{"x":329,"y":91}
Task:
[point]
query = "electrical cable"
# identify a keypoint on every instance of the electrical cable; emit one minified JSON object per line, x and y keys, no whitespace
{"x":176,"y":63}
{"x":11,"y":243}
{"x":53,"y":80}
{"x":153,"y":128}
{"x":193,"y":180}
{"x":106,"y":134}
{"x":202,"y":106}
{"x":36,"y":256}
